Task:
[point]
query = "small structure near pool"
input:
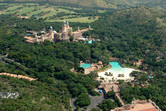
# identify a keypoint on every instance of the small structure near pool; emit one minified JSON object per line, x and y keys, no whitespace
{"x":100,"y":91}
{"x":90,"y":42}
{"x":91,"y":67}
{"x":85,"y":65}
{"x":150,"y":77}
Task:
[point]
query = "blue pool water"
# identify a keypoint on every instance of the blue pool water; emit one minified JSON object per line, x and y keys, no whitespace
{"x":116,"y":65}
{"x":116,"y":70}
{"x":85,"y":65}
{"x":90,"y":42}
{"x":150,"y":77}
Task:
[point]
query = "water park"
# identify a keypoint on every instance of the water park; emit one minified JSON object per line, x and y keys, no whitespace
{"x":117,"y":72}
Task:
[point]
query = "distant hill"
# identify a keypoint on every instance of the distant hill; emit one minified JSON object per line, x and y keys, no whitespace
{"x":115,"y":4}
{"x":31,"y":95}
{"x":130,"y":33}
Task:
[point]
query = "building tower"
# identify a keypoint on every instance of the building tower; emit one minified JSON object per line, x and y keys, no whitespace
{"x":64,"y":27}
{"x":78,"y":29}
{"x":70,"y":31}
{"x":89,"y":27}
{"x":36,"y":37}
{"x":52,"y":32}
{"x":67,"y":24}
{"x":42,"y":38}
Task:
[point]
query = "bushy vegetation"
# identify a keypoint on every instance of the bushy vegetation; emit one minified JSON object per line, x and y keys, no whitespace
{"x":34,"y":95}
{"x":155,"y":92}
{"x":107,"y":105}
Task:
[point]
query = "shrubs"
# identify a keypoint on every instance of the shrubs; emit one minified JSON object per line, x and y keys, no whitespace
{"x":94,"y":93}
{"x":107,"y":105}
{"x":83,"y":100}
{"x":111,"y":94}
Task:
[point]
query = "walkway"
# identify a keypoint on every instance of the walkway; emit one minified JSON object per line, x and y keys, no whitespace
{"x":6,"y":60}
{"x":18,"y":76}
{"x":95,"y":100}
{"x":118,"y":96}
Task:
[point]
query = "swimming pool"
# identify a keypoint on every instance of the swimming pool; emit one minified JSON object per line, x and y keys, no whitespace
{"x":117,"y":68}
{"x":117,"y":72}
{"x":90,"y":42}
{"x":115,"y":65}
{"x":85,"y":65}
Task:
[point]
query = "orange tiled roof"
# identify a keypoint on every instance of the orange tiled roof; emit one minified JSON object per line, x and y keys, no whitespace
{"x":144,"y":107}
{"x":151,"y":109}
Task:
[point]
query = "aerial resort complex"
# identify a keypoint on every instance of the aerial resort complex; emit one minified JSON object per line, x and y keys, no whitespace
{"x":63,"y":35}
{"x":82,"y":55}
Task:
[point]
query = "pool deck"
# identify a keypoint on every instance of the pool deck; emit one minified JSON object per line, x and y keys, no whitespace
{"x":93,"y":67}
{"x":114,"y":74}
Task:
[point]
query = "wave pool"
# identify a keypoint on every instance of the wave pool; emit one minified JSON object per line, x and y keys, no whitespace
{"x":117,"y":72}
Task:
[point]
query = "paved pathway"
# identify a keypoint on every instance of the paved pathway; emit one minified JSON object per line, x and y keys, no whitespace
{"x":11,"y":60}
{"x":95,"y":100}
{"x":118,"y":96}
{"x":117,"y":90}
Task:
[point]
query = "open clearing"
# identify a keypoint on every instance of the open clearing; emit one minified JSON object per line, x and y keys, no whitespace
{"x":79,"y":19}
{"x":49,"y":13}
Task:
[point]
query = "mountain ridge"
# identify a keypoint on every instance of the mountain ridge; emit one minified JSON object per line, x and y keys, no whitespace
{"x":111,"y":4}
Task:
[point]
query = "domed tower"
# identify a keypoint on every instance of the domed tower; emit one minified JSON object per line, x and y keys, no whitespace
{"x":36,"y":37}
{"x":78,"y":29}
{"x":52,"y":32}
{"x":42,"y":38}
{"x":89,"y":27}
{"x":64,"y":26}
{"x":67,"y":24}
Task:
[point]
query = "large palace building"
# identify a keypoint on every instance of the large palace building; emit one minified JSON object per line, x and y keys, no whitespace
{"x":64,"y":34}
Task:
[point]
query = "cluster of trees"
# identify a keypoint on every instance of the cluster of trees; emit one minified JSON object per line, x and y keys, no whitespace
{"x":155,"y":92}
{"x":34,"y":95}
{"x":107,"y":105}
{"x":140,"y":77}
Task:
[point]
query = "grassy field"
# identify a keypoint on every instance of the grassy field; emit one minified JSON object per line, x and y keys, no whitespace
{"x":25,"y":10}
{"x":48,"y":12}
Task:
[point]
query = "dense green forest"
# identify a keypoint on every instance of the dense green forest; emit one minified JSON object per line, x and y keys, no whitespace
{"x":34,"y":95}
{"x":134,"y":34}
{"x":131,"y":34}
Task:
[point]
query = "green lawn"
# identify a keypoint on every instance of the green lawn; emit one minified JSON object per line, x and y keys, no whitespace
{"x":34,"y":13}
{"x":29,"y":10}
{"x":13,"y":8}
{"x":25,"y":10}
